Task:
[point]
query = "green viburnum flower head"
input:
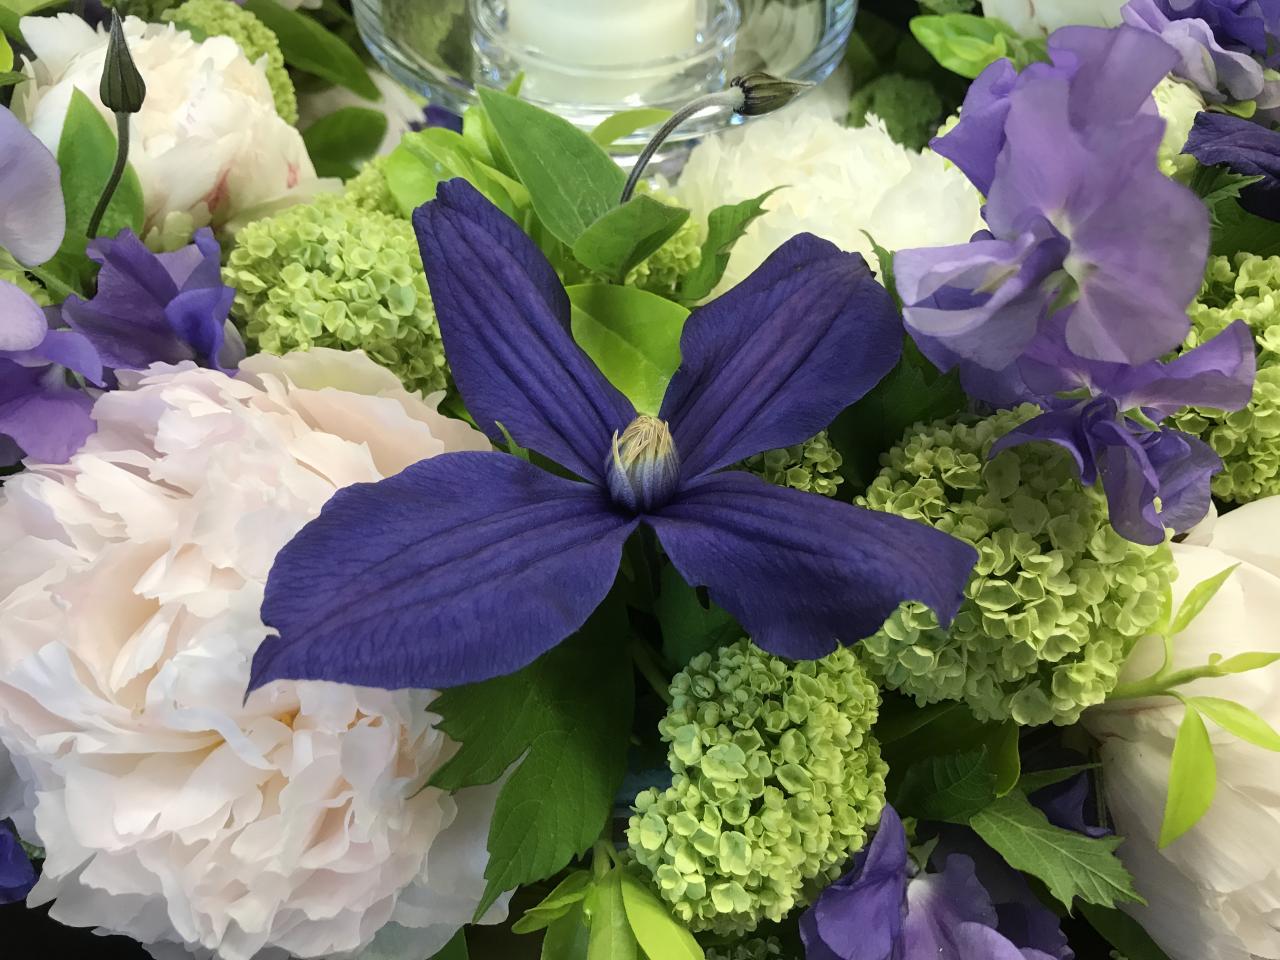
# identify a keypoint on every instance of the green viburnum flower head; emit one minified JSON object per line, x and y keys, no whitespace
{"x":909,"y":107}
{"x":1057,"y":598}
{"x":811,"y":466}
{"x":1246,"y":288}
{"x":753,"y":949}
{"x":369,"y":189}
{"x":224,"y":18}
{"x":330,"y":274}
{"x":776,"y":779}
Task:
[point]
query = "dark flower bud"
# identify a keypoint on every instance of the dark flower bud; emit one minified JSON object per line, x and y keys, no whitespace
{"x":122,"y":89}
{"x":643,"y":468}
{"x":763,"y":93}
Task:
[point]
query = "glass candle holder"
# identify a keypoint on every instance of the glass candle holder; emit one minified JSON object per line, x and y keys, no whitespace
{"x":588,"y":59}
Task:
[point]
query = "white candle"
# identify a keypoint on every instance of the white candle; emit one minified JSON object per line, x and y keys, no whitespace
{"x":578,"y":35}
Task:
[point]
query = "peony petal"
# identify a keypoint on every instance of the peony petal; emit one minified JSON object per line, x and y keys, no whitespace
{"x":801,"y":572}
{"x":467,"y":566}
{"x":774,"y":360}
{"x":32,"y":217}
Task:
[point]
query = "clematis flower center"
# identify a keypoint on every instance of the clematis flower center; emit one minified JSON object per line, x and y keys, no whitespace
{"x":643,"y":468}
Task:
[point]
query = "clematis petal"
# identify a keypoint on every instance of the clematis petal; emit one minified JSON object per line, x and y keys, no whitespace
{"x":22,"y":322}
{"x":33,"y":217}
{"x":801,"y":572}
{"x":17,"y":875}
{"x":1244,"y":147}
{"x":462,"y":567}
{"x":504,"y":319}
{"x":774,"y":360}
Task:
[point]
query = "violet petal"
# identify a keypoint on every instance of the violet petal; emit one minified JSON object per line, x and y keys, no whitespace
{"x":33,"y":217}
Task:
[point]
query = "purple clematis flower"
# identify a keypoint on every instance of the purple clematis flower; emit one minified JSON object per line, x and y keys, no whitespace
{"x":1079,"y":216}
{"x":1114,"y":434}
{"x":1244,"y":147}
{"x":885,"y":909}
{"x":471,"y":565}
{"x":17,"y":875}
{"x":158,"y":307}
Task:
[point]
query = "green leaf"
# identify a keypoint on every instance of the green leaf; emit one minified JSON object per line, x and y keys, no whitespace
{"x":1218,"y":187}
{"x":1005,"y":761}
{"x":688,"y":627}
{"x":567,"y":938}
{"x":572,"y":183}
{"x":455,"y":949}
{"x":632,"y":335}
{"x":1070,"y":864}
{"x":612,"y":129}
{"x":12,"y":11}
{"x":1029,"y":783}
{"x":626,"y":235}
{"x":339,"y":141}
{"x":949,"y":788}
{"x":568,"y":714}
{"x":9,"y":78}
{"x":1123,"y":932}
{"x":1198,"y":598}
{"x":725,"y":226}
{"x":1239,"y":720}
{"x":611,"y":937}
{"x":309,"y":47}
{"x":964,"y":43}
{"x":658,"y":933}
{"x":1240,"y":231}
{"x":1245,"y":662}
{"x":885,"y":259}
{"x":571,"y":890}
{"x":1193,"y":778}
{"x":6,"y":55}
{"x":425,"y":159}
{"x":86,"y":154}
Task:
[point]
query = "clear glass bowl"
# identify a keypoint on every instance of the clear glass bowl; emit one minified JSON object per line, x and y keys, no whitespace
{"x":444,"y":48}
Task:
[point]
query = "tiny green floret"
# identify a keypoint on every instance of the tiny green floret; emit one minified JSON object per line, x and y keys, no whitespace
{"x":812,"y":466}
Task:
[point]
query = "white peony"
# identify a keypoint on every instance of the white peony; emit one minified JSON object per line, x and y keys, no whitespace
{"x":207,"y":145}
{"x":171,"y":810}
{"x":836,"y":182}
{"x":1038,"y":17}
{"x":1214,"y":893}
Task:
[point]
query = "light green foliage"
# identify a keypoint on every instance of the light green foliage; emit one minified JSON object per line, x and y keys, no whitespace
{"x":1247,"y":288}
{"x":776,"y":779}
{"x":910,"y":108}
{"x":812,"y":466}
{"x":753,"y":949}
{"x":149,"y":10}
{"x":665,"y":269}
{"x":1057,"y":598}
{"x":369,"y":190}
{"x":20,"y":279}
{"x":223,"y":18}
{"x":330,"y":274}
{"x":944,"y":7}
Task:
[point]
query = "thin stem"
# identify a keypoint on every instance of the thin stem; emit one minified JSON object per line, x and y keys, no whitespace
{"x":732,"y":98}
{"x":1162,"y":682}
{"x":646,"y":662}
{"x":113,"y":181}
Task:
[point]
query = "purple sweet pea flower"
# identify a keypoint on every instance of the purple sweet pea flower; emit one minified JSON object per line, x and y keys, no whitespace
{"x":32,"y":217}
{"x":471,"y":565}
{"x":1220,"y":73}
{"x":883,"y":909}
{"x":1244,"y":147}
{"x":17,"y":875}
{"x":158,"y":307}
{"x":1078,"y":214}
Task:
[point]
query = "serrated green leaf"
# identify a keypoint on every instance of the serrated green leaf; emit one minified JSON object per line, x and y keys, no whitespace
{"x":1239,"y":720}
{"x":657,"y":932}
{"x":309,"y":47}
{"x":885,"y":260}
{"x":689,"y":628}
{"x":626,"y":235}
{"x":612,"y":129}
{"x":1198,"y":598}
{"x":572,"y":182}
{"x":1123,"y":932}
{"x":1245,"y":662}
{"x":949,"y":788}
{"x":1240,"y":231}
{"x":568,"y":714}
{"x":725,"y":226}
{"x":611,"y":937}
{"x":1029,"y":783}
{"x":567,"y":938}
{"x":1070,"y":864}
{"x":632,"y":335}
{"x":571,"y":890}
{"x":339,"y":141}
{"x":1193,"y":778}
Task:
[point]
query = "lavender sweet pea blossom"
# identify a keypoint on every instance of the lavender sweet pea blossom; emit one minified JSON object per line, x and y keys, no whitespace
{"x":884,"y":908}
{"x":33,"y":217}
{"x":1079,"y":216}
{"x":471,"y":565}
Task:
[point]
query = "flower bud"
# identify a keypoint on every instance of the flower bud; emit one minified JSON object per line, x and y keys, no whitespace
{"x":763,"y":93}
{"x":122,"y":89}
{"x":644,"y":468}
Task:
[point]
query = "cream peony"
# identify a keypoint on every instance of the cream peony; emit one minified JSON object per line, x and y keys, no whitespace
{"x":1038,"y":17}
{"x":1213,"y":894}
{"x":836,"y":183}
{"x":172,"y":811}
{"x":208,"y":144}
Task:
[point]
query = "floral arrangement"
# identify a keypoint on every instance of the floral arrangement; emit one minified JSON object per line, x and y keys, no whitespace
{"x":421,"y":539}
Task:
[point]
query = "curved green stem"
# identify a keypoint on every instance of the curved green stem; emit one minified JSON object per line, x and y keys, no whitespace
{"x":117,"y":171}
{"x":732,"y":98}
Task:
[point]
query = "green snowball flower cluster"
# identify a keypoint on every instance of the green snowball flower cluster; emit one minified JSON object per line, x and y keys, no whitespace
{"x":753,"y":949}
{"x":1057,"y":598}
{"x":369,"y":189}
{"x":1248,"y":441}
{"x":224,"y":18}
{"x":910,"y":108}
{"x":329,"y":274}
{"x":811,"y":466}
{"x":776,"y":780}
{"x":664,"y":269}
